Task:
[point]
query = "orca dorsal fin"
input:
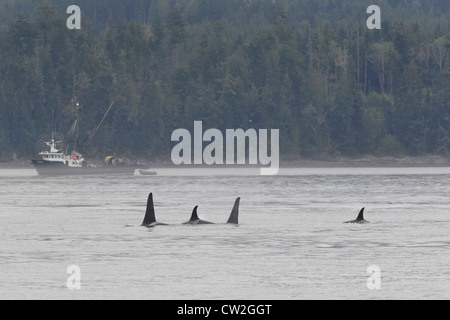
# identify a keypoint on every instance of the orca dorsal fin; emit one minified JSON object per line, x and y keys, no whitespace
{"x":150,"y":212}
{"x":234,"y":216}
{"x":361,"y":215}
{"x":194,"y":216}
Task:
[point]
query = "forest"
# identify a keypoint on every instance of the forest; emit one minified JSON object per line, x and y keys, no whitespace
{"x":309,"y":68}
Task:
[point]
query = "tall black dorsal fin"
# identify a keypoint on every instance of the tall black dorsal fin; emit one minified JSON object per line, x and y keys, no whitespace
{"x":150,"y":212}
{"x":234,"y":216}
{"x":194,"y":216}
{"x":361,"y":215}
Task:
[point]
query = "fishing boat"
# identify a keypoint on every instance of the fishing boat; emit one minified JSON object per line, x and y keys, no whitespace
{"x":54,"y":162}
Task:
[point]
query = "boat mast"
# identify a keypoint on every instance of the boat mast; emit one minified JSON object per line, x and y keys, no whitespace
{"x":53,"y":125}
{"x":52,"y":143}
{"x":75,"y":111}
{"x":77,"y":125}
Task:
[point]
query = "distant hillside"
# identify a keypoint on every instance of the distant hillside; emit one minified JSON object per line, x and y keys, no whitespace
{"x":309,"y":68}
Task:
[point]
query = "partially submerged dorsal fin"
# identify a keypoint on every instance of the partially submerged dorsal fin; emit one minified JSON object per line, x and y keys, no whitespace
{"x":150,"y":212}
{"x":234,"y":216}
{"x":194,"y":216}
{"x":361,"y":215}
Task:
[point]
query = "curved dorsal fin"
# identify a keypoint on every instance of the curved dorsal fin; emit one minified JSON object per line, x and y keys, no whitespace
{"x":234,"y":216}
{"x":150,"y":212}
{"x":361,"y":215}
{"x":194,"y":216}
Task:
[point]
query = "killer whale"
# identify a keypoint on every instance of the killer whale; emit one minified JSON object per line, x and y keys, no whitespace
{"x":150,"y":218}
{"x":233,"y":219}
{"x":234,"y":216}
{"x":195,"y":219}
{"x":360,"y":218}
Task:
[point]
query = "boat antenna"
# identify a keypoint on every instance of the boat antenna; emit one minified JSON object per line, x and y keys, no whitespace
{"x":53,"y":124}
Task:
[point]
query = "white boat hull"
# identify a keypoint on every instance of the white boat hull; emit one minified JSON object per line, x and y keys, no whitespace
{"x":45,"y":168}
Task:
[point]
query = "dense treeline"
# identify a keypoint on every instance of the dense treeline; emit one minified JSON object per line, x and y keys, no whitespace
{"x":310,"y":68}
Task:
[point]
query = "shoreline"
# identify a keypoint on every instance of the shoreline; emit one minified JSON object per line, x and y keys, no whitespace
{"x":371,"y":162}
{"x":341,"y":162}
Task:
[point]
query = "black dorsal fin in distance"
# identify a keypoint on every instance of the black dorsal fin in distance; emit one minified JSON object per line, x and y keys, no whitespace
{"x":194,"y":216}
{"x":150,"y":212}
{"x":361,"y":215}
{"x":234,"y":216}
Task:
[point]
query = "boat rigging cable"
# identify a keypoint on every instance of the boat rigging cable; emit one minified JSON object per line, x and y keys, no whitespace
{"x":92,"y":134}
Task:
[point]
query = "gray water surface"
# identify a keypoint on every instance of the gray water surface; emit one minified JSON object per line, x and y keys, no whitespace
{"x":291,"y":242}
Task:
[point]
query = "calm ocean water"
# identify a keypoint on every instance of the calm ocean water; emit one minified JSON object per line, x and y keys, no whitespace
{"x":291,"y":242}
